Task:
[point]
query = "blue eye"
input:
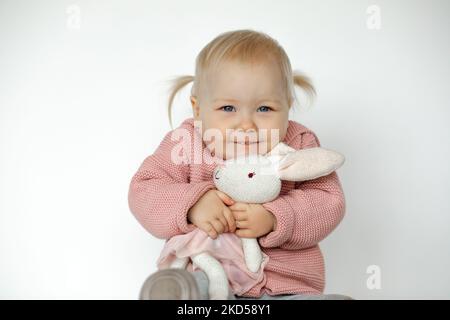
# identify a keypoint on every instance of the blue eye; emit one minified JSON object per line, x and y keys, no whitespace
{"x":227,"y":108}
{"x":264,"y":108}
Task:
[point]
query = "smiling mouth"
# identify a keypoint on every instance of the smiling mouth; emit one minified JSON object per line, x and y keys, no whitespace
{"x":246,"y":143}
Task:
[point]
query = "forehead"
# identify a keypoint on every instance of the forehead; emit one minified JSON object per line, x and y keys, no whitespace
{"x":244,"y":81}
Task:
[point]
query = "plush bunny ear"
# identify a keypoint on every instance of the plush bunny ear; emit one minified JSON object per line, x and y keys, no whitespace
{"x":307,"y":164}
{"x":281,"y":149}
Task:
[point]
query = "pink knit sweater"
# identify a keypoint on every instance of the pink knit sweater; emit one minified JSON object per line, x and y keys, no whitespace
{"x":161,"y":193}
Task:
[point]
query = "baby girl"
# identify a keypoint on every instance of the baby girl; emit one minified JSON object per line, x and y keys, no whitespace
{"x":241,"y":95}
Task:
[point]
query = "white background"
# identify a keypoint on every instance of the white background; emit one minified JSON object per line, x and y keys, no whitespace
{"x":80,"y":109}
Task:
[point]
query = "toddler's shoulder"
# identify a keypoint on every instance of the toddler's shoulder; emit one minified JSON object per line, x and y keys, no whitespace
{"x":187,"y":124}
{"x":297,"y":128}
{"x":179,"y":139}
{"x":185,"y":130}
{"x":299,"y":136}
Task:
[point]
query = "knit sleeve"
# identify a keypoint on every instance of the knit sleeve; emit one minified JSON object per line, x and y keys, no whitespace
{"x":160,"y":193}
{"x":310,"y":212}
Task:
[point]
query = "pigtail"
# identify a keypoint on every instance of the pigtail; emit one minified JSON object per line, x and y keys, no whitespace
{"x":176,"y":84}
{"x":305,"y":83}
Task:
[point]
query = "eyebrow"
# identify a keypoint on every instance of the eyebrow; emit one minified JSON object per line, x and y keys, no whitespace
{"x":223,"y":99}
{"x":233,"y":100}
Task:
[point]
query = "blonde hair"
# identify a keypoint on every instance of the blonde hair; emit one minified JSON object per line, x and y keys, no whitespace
{"x":244,"y":46}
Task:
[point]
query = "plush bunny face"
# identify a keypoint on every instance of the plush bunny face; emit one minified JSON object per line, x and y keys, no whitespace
{"x":257,"y":178}
{"x":248,"y":179}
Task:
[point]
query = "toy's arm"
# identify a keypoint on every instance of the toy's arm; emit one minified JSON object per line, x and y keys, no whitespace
{"x":308,"y":213}
{"x":155,"y":189}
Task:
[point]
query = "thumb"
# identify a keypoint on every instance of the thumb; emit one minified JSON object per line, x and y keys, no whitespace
{"x":225,"y":198}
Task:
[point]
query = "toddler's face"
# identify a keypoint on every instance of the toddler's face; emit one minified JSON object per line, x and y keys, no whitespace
{"x":243,"y":109}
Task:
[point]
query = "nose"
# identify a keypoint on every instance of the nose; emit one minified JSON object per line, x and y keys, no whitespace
{"x":247,"y":123}
{"x":244,"y":128}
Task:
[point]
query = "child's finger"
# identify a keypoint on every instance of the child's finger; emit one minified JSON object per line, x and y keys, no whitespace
{"x":238,"y":206}
{"x":218,"y":226}
{"x":209,"y":229}
{"x":225,"y":198}
{"x":243,"y":224}
{"x":224,"y":223}
{"x":230,"y":219}
{"x":244,"y":233}
{"x":239,"y":215}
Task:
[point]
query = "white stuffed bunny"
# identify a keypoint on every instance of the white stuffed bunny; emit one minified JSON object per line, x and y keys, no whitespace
{"x":251,"y":179}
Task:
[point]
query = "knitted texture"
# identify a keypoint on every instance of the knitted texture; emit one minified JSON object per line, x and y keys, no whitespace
{"x":162,"y":191}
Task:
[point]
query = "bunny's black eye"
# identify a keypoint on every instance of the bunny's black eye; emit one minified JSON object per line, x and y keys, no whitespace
{"x":251,"y":174}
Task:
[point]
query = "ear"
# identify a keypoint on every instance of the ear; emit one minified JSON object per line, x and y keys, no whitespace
{"x":195,"y":107}
{"x":308,"y":164}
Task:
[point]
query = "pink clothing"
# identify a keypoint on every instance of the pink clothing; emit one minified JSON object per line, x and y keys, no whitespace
{"x":162,"y":191}
{"x":226,"y":248}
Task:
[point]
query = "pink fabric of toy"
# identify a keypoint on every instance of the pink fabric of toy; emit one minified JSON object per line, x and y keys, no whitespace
{"x":226,"y":248}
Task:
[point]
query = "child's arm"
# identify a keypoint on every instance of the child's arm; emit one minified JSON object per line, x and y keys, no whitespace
{"x":160,"y":194}
{"x":310,"y":212}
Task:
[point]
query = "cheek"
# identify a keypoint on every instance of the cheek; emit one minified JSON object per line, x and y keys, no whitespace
{"x":214,"y":128}
{"x":275,"y":134}
{"x":280,"y":124}
{"x":213,"y":121}
{"x":282,"y":132}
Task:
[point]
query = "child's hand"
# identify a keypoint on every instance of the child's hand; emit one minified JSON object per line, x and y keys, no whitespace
{"x":252,"y":220}
{"x":211,"y":213}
